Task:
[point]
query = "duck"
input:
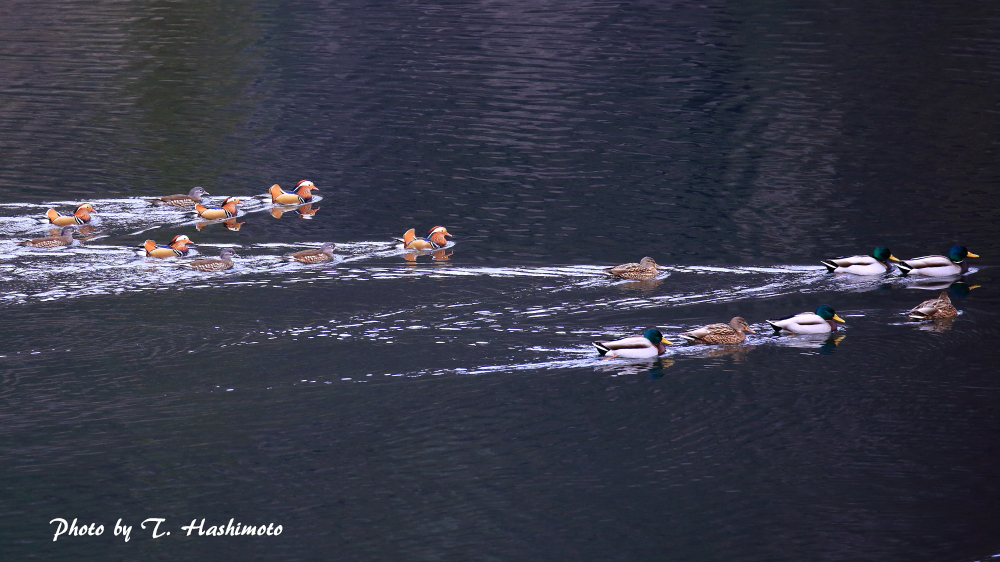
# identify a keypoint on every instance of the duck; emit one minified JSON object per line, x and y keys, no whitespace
{"x":302,"y":194}
{"x":940,"y":307}
{"x":226,"y":211}
{"x":819,"y":322}
{"x":875,"y":264}
{"x":65,"y":238}
{"x":939,"y":266}
{"x":720,"y":333}
{"x":645,"y":269}
{"x":178,"y":247}
{"x":435,"y":239}
{"x":316,"y":256}
{"x":221,"y":263}
{"x":80,"y":216}
{"x":649,"y":344}
{"x":192,"y":198}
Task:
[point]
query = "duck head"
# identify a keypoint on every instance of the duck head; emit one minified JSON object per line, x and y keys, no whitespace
{"x":180,"y":241}
{"x":84,"y":210}
{"x":740,"y":325}
{"x":67,"y":231}
{"x":827,"y":313}
{"x":655,"y":337}
{"x":197,"y":192}
{"x":228,"y":253}
{"x":957,"y":254}
{"x":883,"y":254}
{"x":437,"y":235}
{"x":648,"y":263}
{"x":305,"y":187}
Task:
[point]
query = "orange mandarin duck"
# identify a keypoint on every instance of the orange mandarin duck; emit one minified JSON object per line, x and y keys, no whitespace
{"x":226,"y":211}
{"x":302,"y":194}
{"x":316,"y":256}
{"x":80,"y":216}
{"x":65,"y":238}
{"x":178,"y":247}
{"x":190,"y":200}
{"x":435,"y":239}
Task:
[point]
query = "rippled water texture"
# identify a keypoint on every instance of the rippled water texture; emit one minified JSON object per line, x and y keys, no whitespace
{"x":448,"y":405}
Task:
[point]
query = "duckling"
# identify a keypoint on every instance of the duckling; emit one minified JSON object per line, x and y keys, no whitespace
{"x":65,"y":238}
{"x":649,"y":344}
{"x":302,"y":194}
{"x":221,"y":263}
{"x":226,"y":211}
{"x":192,"y":198}
{"x":940,"y":307}
{"x":645,"y":269}
{"x":939,"y":266}
{"x":720,"y":333}
{"x":80,"y":216}
{"x":178,"y":247}
{"x":316,"y":256}
{"x":819,"y":322}
{"x":435,"y":239}
{"x":875,"y":264}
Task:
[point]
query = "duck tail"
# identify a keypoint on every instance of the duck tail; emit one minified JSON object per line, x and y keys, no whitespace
{"x":830,"y":266}
{"x":409,"y":236}
{"x":904,"y":267}
{"x":275,"y":191}
{"x":776,"y":327}
{"x":52,"y":215}
{"x":601,"y":349}
{"x":689,"y":338}
{"x":149,"y":246}
{"x":200,"y":208}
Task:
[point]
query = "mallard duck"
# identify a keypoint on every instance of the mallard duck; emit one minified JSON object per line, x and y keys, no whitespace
{"x":434,"y":240}
{"x":65,"y":238}
{"x":649,"y":344}
{"x":940,"y":307}
{"x":819,"y":322}
{"x":720,"y":333}
{"x":80,"y":216}
{"x":875,"y":264}
{"x":302,"y":194}
{"x":178,"y":247}
{"x":192,"y":198}
{"x":645,"y":269}
{"x":221,"y":263}
{"x":939,"y":266}
{"x":226,"y":211}
{"x":316,"y":256}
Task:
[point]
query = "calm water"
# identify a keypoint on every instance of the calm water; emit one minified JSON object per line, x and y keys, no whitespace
{"x":452,"y":409}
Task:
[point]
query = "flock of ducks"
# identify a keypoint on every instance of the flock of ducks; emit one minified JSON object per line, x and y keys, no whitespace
{"x":650,"y":344}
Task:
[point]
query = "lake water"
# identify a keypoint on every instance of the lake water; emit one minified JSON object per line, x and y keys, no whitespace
{"x":451,"y":407}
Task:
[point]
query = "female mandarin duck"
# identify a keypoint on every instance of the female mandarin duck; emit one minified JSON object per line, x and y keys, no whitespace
{"x":720,"y":333}
{"x":819,"y":322}
{"x":191,"y":199}
{"x":645,"y":269}
{"x":940,"y":307}
{"x":80,"y":216}
{"x":302,"y":194}
{"x":939,"y":266}
{"x":65,"y":238}
{"x":316,"y":256}
{"x":178,"y":247}
{"x":435,"y":239}
{"x":221,"y":263}
{"x":875,"y":264}
{"x":649,"y":344}
{"x":226,"y":211}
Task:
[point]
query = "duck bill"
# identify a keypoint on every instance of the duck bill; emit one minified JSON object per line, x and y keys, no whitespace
{"x":666,"y":342}
{"x":838,"y":318}
{"x":971,"y":255}
{"x":893,"y":258}
{"x":749,"y":329}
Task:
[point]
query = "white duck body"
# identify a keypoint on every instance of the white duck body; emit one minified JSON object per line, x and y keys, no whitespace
{"x":631,"y":348}
{"x":859,"y":265}
{"x":804,"y":323}
{"x":935,"y":266}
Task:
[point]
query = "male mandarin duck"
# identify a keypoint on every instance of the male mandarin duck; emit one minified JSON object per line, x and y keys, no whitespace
{"x":302,"y":194}
{"x":875,"y":264}
{"x":940,"y":307}
{"x":80,"y":216}
{"x":645,"y":269}
{"x":226,"y":211}
{"x":939,"y":266}
{"x":316,"y":256}
{"x":191,"y":199}
{"x":65,"y":238}
{"x":720,"y":333}
{"x":819,"y":322}
{"x":649,"y":344}
{"x":221,"y":263}
{"x":435,"y":239}
{"x":178,"y":247}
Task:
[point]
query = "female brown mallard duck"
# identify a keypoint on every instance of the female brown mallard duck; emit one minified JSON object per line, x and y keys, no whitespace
{"x":940,"y":307}
{"x":720,"y":333}
{"x":645,"y":269}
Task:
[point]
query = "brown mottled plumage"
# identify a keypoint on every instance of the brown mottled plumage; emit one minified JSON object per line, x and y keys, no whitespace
{"x":720,"y":333}
{"x":316,"y":256}
{"x":645,"y":269}
{"x":221,"y":263}
{"x":65,"y":238}
{"x":940,"y":307}
{"x":190,"y":200}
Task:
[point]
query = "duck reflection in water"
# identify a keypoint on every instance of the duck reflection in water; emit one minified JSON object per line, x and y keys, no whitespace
{"x":644,"y":287}
{"x":825,"y":343}
{"x":84,"y":231}
{"x":738,"y":352}
{"x":957,"y":289}
{"x":653,"y":366}
{"x":442,"y":255}
{"x":306,"y":211}
{"x":230,"y":224}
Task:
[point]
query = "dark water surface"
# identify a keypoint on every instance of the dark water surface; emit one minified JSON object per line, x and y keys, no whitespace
{"x":452,"y":409}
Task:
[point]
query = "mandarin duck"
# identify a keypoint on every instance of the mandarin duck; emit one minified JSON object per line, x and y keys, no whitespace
{"x":720,"y":333}
{"x":226,"y":211}
{"x":649,"y":344}
{"x":940,"y":307}
{"x":65,"y":238}
{"x":875,"y":264}
{"x":178,"y":247}
{"x":191,"y":199}
{"x":435,"y":239}
{"x":939,"y":266}
{"x":221,"y":263}
{"x":819,"y":322}
{"x":645,"y":269}
{"x":316,"y":256}
{"x":302,"y":194}
{"x":80,"y":216}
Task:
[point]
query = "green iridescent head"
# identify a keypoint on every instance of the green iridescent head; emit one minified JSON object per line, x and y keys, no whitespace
{"x":655,"y":336}
{"x":958,"y":254}
{"x":826,"y":312}
{"x":882,"y":254}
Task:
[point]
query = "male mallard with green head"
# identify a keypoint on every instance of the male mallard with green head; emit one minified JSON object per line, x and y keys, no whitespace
{"x":649,"y":344}
{"x":875,"y":264}
{"x":939,"y":266}
{"x":819,"y":322}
